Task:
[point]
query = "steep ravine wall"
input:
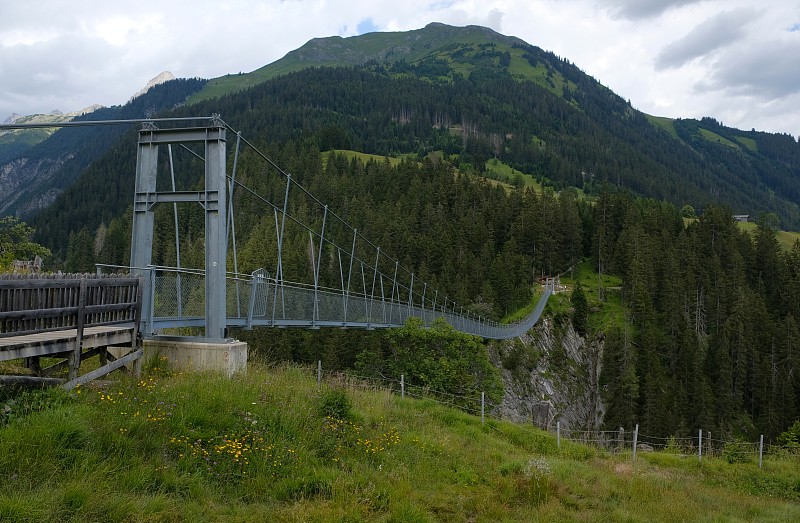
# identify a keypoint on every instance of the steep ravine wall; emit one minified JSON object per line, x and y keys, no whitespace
{"x":551,"y":375}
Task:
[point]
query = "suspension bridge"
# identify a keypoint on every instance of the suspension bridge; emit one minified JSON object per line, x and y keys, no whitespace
{"x":372,"y":290}
{"x":350,"y":282}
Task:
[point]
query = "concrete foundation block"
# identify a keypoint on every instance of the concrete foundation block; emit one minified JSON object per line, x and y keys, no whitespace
{"x":195,"y":355}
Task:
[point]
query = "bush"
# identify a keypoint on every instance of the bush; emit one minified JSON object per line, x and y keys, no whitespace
{"x":737,"y":451}
{"x":791,"y":437}
{"x":19,"y":403}
{"x":335,"y":403}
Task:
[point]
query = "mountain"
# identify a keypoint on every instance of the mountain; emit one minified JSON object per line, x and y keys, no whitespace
{"x":159,"y":79}
{"x":15,"y":142}
{"x":36,"y":165}
{"x":474,"y":92}
{"x":383,"y":47}
{"x":689,"y":324}
{"x":583,"y":133}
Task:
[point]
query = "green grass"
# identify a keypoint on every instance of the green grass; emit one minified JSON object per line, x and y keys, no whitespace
{"x":394,"y":161}
{"x":495,"y":169}
{"x":786,"y":239}
{"x":605,"y":305}
{"x":748,"y":142}
{"x":664,"y":123}
{"x":272,"y":446}
{"x":714,"y":137}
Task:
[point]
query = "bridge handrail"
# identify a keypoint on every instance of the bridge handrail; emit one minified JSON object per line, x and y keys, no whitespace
{"x":371,"y":311}
{"x":41,"y":303}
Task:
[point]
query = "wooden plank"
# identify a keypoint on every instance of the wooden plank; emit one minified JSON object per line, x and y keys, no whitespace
{"x":72,"y":316}
{"x":75,"y":358}
{"x":32,"y":314}
{"x":55,"y":342}
{"x":102,"y":371}
{"x":47,"y":371}
{"x":50,"y":304}
{"x":34,"y":284}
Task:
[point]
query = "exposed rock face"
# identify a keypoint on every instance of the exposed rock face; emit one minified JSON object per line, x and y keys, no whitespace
{"x":54,"y":116}
{"x":13,"y":117}
{"x":551,"y":375}
{"x":166,"y":76}
{"x":22,"y":175}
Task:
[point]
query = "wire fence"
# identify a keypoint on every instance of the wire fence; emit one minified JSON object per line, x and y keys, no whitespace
{"x":620,"y":441}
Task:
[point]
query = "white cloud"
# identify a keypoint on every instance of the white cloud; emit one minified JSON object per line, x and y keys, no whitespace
{"x":716,"y":32}
{"x":639,"y":9}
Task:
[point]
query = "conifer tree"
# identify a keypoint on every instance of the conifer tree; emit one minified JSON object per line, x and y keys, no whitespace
{"x":580,"y":309}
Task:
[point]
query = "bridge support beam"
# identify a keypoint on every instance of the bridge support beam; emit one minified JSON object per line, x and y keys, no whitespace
{"x":212,"y":199}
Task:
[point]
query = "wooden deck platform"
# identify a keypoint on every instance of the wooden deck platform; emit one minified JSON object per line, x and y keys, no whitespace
{"x":71,"y":319}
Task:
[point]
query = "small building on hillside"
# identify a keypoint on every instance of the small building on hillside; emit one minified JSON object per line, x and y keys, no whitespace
{"x":741,"y":217}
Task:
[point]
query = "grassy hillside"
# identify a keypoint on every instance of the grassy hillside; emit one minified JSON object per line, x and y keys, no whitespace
{"x":786,"y":239}
{"x":272,"y":446}
{"x":461,"y":49}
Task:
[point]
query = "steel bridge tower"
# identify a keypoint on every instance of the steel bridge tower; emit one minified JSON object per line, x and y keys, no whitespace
{"x":212,"y":199}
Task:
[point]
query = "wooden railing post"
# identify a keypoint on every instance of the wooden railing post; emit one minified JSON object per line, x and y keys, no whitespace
{"x":75,"y":357}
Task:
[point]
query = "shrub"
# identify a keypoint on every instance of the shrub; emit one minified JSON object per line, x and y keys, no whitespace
{"x":673,"y":447}
{"x":791,"y":437}
{"x":19,"y":403}
{"x":335,"y":403}
{"x":737,"y":451}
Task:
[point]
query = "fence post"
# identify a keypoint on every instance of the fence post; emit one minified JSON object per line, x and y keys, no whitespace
{"x":151,"y":299}
{"x":710,"y":448}
{"x":402,"y":385}
{"x":621,"y":440}
{"x":558,"y":434}
{"x":319,"y":373}
{"x":700,"y":445}
{"x":635,"y":437}
{"x":483,"y":402}
{"x":760,"y":450}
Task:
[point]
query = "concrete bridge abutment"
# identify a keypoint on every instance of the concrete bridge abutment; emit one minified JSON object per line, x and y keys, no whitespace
{"x":226,"y":356}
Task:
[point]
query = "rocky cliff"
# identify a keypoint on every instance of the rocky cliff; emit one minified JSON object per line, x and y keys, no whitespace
{"x":551,"y":375}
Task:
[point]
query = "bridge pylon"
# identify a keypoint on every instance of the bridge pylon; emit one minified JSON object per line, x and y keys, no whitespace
{"x":212,"y":199}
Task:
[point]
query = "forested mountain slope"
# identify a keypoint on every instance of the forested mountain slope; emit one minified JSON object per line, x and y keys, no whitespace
{"x":31,"y":179}
{"x":585,"y":132}
{"x":475,"y":94}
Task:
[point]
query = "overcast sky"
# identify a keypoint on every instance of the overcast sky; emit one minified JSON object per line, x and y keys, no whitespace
{"x":735,"y":60}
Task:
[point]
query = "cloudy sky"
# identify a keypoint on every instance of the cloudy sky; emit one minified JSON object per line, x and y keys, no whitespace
{"x":735,"y":60}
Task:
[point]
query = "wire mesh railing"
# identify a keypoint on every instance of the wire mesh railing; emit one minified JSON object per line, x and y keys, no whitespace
{"x":259,"y":300}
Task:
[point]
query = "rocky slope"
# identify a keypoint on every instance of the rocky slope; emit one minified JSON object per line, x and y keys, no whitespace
{"x":165,"y":76}
{"x":551,"y":375}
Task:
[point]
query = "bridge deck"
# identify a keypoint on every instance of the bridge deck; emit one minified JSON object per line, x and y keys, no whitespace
{"x":53,"y":343}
